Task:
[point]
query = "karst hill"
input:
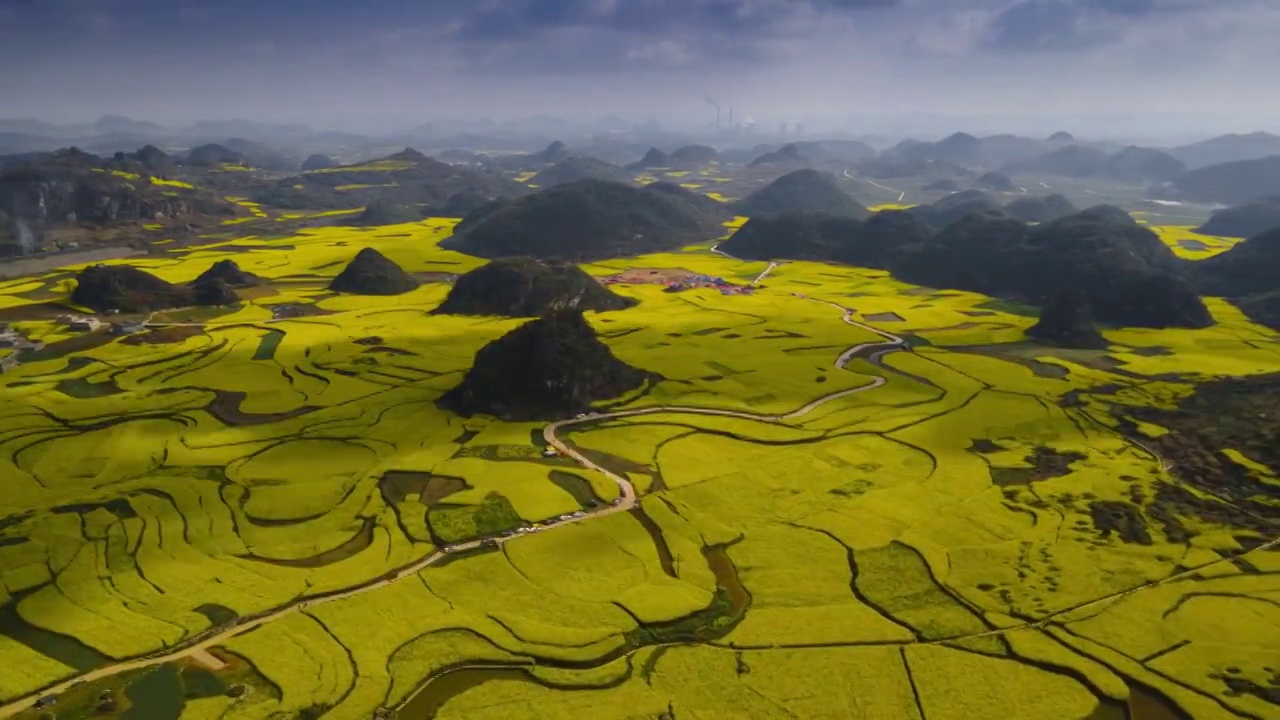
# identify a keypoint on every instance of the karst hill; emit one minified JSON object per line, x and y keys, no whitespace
{"x":1066,"y":321}
{"x":1125,"y":272}
{"x":806,"y":189}
{"x":547,"y":369}
{"x":526,"y":287}
{"x":580,"y":167}
{"x":589,"y":220}
{"x":1244,"y":221}
{"x":125,"y":288}
{"x":406,"y":178}
{"x":371,"y":273}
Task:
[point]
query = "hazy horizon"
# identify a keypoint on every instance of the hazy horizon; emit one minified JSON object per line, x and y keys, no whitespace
{"x":1133,"y":68}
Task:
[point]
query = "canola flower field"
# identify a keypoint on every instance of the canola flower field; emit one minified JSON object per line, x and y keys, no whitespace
{"x":975,"y":537}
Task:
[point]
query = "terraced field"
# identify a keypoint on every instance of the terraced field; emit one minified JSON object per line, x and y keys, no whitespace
{"x":240,"y":513}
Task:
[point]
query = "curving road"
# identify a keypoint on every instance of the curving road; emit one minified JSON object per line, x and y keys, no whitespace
{"x":199,"y":644}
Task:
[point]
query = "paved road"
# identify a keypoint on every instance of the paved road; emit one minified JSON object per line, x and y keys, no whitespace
{"x":199,"y":644}
{"x":901,"y":193}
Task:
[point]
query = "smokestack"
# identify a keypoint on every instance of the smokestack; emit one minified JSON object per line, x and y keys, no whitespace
{"x":714,"y":104}
{"x":26,"y":240}
{"x":730,"y":117}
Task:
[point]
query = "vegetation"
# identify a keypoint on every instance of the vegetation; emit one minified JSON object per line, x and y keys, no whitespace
{"x":525,"y":287}
{"x":1244,"y":221}
{"x":1065,"y":321}
{"x":801,"y":190}
{"x":580,"y":167}
{"x":371,"y":273}
{"x":1040,"y":209}
{"x":1234,"y":183}
{"x":587,"y":220}
{"x":552,"y":367}
{"x":984,"y":530}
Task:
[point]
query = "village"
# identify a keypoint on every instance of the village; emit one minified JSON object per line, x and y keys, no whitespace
{"x":676,"y":280}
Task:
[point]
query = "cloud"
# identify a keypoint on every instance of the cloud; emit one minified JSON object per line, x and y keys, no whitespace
{"x":556,"y":55}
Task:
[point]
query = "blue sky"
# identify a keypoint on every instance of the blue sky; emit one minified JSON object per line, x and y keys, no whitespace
{"x":337,"y":61}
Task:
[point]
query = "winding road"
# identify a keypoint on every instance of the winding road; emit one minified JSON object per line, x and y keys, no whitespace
{"x":901,"y":193}
{"x":200,"y":644}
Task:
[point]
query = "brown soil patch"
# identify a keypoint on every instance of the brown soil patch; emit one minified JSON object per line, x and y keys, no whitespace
{"x":649,"y":275}
{"x":225,"y":406}
{"x":208,"y":660}
{"x":164,"y":335}
{"x":35,"y":265}
{"x":396,"y":485}
{"x":40,"y":311}
{"x":292,"y":310}
{"x":256,"y":292}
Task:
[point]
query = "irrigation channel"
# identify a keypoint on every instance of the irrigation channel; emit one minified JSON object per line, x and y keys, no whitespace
{"x":873,"y":352}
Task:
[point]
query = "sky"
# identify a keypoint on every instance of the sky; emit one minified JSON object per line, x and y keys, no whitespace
{"x":381,"y":64}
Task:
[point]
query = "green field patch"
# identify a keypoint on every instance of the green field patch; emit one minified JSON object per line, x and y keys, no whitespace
{"x":266,"y":349}
{"x":729,"y":604}
{"x":896,"y":580}
{"x":226,"y":407}
{"x":357,"y":544}
{"x":65,"y":649}
{"x":1045,"y":463}
{"x":1010,"y":307}
{"x":217,"y":614}
{"x":459,"y":523}
{"x":575,"y":485}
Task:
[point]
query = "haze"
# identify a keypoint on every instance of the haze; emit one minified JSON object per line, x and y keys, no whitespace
{"x":1159,"y":69}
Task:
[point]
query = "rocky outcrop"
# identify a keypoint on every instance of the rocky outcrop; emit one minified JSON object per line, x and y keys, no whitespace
{"x":526,"y":287}
{"x":371,"y":273}
{"x":71,"y":187}
{"x":1066,"y":322}
{"x":547,"y":369}
{"x":806,"y":189}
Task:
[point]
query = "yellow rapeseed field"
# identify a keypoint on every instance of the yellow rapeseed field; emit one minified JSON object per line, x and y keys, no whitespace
{"x":962,"y":531}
